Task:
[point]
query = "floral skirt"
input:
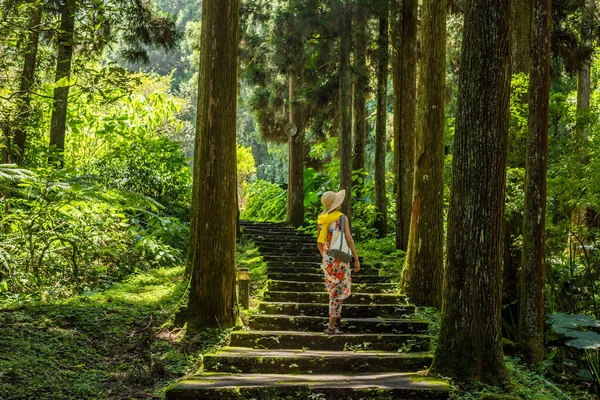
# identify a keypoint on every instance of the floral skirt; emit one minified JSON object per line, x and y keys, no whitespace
{"x":338,"y":281}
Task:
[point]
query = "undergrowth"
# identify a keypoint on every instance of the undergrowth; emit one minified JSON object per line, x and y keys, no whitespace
{"x":110,"y":344}
{"x":527,"y":382}
{"x":248,"y":256}
{"x":382,"y":254}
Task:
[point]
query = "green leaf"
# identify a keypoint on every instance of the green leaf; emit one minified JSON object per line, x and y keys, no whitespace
{"x":584,"y":340}
{"x":585,"y":374}
{"x":563,"y":323}
{"x":63,"y":82}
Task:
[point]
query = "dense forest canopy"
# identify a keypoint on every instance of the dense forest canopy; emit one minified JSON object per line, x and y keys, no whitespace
{"x":465,"y":133}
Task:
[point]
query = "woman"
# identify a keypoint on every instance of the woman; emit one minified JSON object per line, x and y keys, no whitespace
{"x":337,"y":273}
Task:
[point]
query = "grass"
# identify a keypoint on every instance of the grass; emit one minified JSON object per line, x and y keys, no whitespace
{"x":382,"y":254}
{"x":248,"y":256}
{"x":526,"y":383}
{"x":110,"y":344}
{"x":117,"y":343}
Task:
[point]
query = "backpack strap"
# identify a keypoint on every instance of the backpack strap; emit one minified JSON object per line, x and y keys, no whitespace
{"x":342,"y":241}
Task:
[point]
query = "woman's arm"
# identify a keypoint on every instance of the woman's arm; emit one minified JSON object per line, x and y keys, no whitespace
{"x":351,"y":245}
{"x":321,"y":246}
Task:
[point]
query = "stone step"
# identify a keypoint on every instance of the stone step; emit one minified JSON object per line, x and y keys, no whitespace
{"x":282,"y":257}
{"x":320,"y":277}
{"x":282,"y":234}
{"x":323,"y":297}
{"x":249,"y":222}
{"x":291,"y":254}
{"x":289,"y":249}
{"x":295,"y":286}
{"x":306,"y":323}
{"x":283,"y":240}
{"x":284,"y":243}
{"x":286,"y":258}
{"x":296,"y":251}
{"x":288,"y":336}
{"x":396,"y":386}
{"x":303,"y":248}
{"x":317,"y":270}
{"x":273,"y":228}
{"x":323,"y":341}
{"x":305,"y":264}
{"x":260,"y":240}
{"x":349,"y":310}
{"x":266,"y":361}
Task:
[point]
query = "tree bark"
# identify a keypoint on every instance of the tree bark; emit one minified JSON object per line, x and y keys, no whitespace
{"x":212,"y":301}
{"x":380,"y":128}
{"x":423,"y":272}
{"x":469,"y":346}
{"x":295,"y":200}
{"x":64,"y":58}
{"x":27,"y":79}
{"x":584,"y":73}
{"x":361,"y":81}
{"x":345,"y":77}
{"x":404,"y":73}
{"x":579,"y":216}
{"x":521,"y":14}
{"x":583,"y":93}
{"x":533,"y":266}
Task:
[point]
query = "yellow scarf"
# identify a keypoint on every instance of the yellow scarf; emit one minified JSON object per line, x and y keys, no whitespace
{"x":324,"y":220}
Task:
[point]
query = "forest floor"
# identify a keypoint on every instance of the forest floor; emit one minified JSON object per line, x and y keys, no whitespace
{"x":119,"y":343}
{"x":107,"y":345}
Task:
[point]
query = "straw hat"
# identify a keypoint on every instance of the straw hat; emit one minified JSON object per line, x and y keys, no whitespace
{"x":332,"y":200}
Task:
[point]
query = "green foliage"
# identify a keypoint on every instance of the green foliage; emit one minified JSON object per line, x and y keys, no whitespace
{"x":265,"y":201}
{"x":277,"y":36}
{"x":115,"y":209}
{"x":60,"y":233}
{"x":248,"y":256}
{"x":570,"y":326}
{"x":155,"y":168}
{"x":246,"y":168}
{"x":519,"y":110}
{"x":526,"y":383}
{"x":382,"y":254}
{"x":101,"y":342}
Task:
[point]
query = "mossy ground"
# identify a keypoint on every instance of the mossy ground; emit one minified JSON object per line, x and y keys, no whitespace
{"x":119,"y":343}
{"x":526,"y":383}
{"x":112,"y":344}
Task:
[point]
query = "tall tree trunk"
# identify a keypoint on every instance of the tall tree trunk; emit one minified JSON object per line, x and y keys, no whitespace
{"x":345,"y":72}
{"x":469,"y":346}
{"x":212,"y":300}
{"x":361,"y":81}
{"x":584,"y":74}
{"x":295,"y":201}
{"x":380,"y":129}
{"x":423,"y":273}
{"x":583,"y":96}
{"x":533,"y":266}
{"x":64,"y":57}
{"x":521,"y":13}
{"x":27,"y":79}
{"x":404,"y":73}
{"x":579,"y":216}
{"x":520,"y":26}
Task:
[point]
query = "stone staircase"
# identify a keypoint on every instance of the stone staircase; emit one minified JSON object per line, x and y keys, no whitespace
{"x":287,"y":354}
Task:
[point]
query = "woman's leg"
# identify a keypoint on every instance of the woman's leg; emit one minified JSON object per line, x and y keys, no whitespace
{"x":335,"y":309}
{"x":332,"y":322}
